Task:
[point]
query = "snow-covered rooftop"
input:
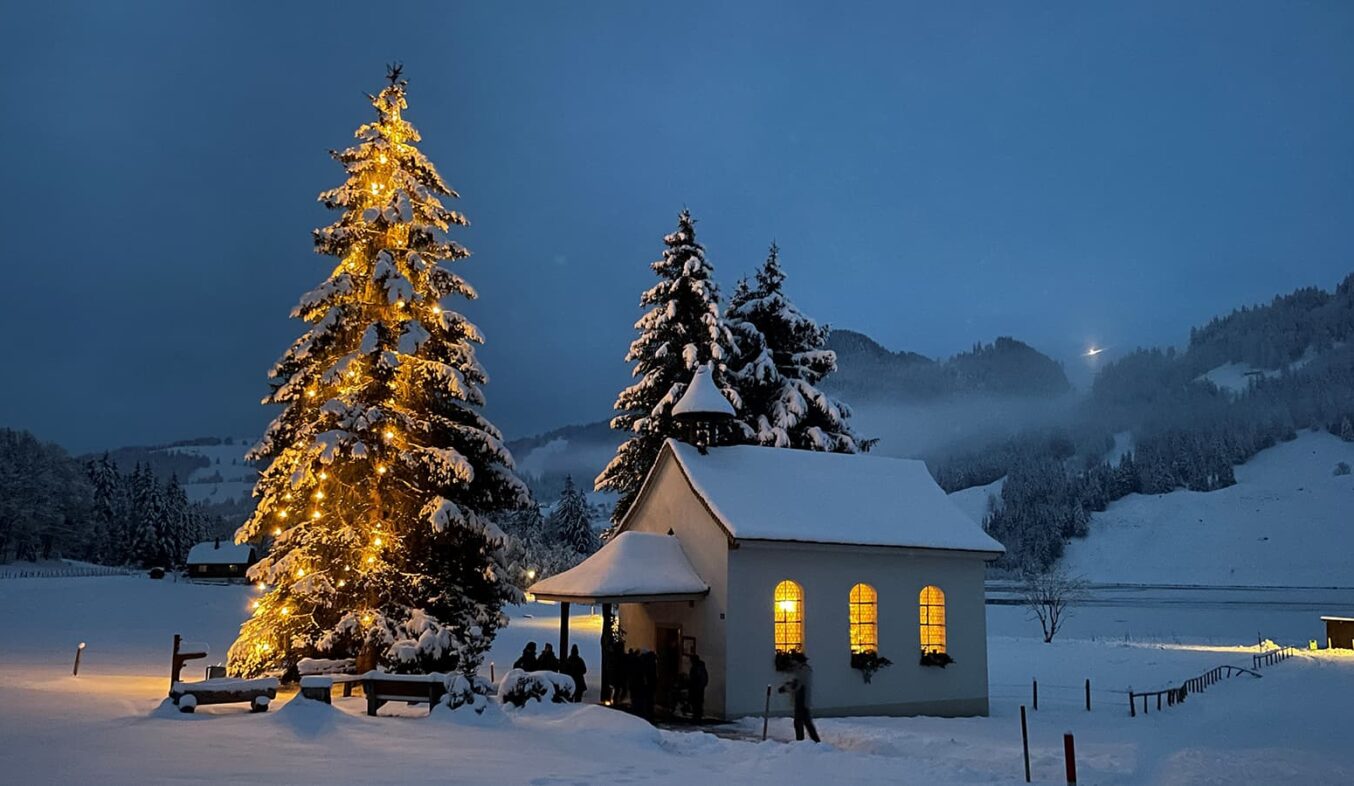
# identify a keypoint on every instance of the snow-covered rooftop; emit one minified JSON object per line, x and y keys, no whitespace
{"x":702,"y":395}
{"x":760,"y":493}
{"x":220,"y":553}
{"x":632,"y":566}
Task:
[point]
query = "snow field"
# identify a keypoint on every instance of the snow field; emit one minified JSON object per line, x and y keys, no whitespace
{"x":108,"y":725}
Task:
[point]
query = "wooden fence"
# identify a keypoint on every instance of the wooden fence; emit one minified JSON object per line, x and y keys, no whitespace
{"x":1173,"y":696}
{"x":55,"y":571}
{"x":1272,"y":657}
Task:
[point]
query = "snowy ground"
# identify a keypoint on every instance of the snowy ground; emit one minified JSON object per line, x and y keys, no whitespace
{"x":1288,"y":521}
{"x":227,"y":478}
{"x":1289,"y":726}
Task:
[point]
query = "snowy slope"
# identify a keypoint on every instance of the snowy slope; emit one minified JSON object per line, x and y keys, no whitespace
{"x":974,"y":501}
{"x":227,"y":478}
{"x":1288,"y":521}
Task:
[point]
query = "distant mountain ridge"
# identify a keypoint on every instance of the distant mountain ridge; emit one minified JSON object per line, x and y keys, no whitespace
{"x":1006,"y":367}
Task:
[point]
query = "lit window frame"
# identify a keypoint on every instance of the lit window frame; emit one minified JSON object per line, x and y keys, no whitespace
{"x":787,"y":613}
{"x":931,"y":604}
{"x":863,"y":610}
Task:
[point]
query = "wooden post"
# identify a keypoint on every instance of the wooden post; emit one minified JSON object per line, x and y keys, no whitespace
{"x":563,"y":630}
{"x":1036,"y":695}
{"x":1088,"y":694}
{"x":1158,"y":702}
{"x":607,"y":689}
{"x":492,"y":678}
{"x":1025,"y":742}
{"x":1070,"y":752}
{"x":1132,"y":708}
{"x":766,"y":713}
{"x":76,"y":671}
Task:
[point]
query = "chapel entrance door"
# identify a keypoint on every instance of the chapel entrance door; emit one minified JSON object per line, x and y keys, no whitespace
{"x":668,"y":648}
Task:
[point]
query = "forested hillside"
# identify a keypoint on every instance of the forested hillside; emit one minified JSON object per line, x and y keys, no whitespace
{"x":1187,"y":432}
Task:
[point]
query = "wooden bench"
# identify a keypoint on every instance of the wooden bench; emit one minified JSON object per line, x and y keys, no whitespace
{"x":258,"y":693}
{"x":380,"y":687}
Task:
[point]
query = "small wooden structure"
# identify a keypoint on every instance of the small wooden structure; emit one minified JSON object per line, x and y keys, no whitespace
{"x":380,"y":687}
{"x":188,"y":695}
{"x":216,"y":560}
{"x":1339,"y":632}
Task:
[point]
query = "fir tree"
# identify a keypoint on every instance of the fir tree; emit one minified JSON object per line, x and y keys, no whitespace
{"x":381,"y":469}
{"x":569,"y":523}
{"x":681,"y":331}
{"x":108,"y":513}
{"x":780,"y":357}
{"x":145,"y":513}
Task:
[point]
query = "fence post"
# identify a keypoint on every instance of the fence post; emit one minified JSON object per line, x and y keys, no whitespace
{"x":1132,"y":708}
{"x":1036,"y":695}
{"x":1025,"y":742}
{"x":766,"y":713}
{"x":1070,"y":752}
{"x":1088,"y":694}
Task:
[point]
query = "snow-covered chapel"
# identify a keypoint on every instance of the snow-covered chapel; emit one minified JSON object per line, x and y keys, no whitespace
{"x":739,"y":552}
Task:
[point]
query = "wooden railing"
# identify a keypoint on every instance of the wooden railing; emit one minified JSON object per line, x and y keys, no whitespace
{"x":56,"y":571}
{"x":1273,"y":656}
{"x":1174,"y":696}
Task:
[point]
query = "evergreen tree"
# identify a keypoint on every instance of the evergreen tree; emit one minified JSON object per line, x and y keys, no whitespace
{"x":780,"y":358}
{"x":681,"y":331}
{"x":145,"y":510}
{"x":381,"y":469}
{"x":569,"y":523}
{"x":108,"y":537}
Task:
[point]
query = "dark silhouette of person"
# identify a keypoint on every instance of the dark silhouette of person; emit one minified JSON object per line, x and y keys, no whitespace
{"x":527,"y":661}
{"x":620,"y":674}
{"x":697,"y":678}
{"x":649,"y":667}
{"x":800,"y":687}
{"x":547,"y":661}
{"x":634,"y":673}
{"x":576,"y":668}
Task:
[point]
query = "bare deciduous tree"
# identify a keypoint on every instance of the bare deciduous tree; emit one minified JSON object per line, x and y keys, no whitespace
{"x":1049,"y":596}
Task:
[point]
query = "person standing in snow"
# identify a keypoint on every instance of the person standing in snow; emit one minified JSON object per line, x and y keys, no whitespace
{"x":800,"y":687}
{"x":527,"y":662}
{"x":547,"y":661}
{"x":576,"y":668}
{"x":698,"y":677}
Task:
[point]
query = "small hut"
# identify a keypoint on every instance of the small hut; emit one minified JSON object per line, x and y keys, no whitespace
{"x":217,"y":560}
{"x":1339,"y":632}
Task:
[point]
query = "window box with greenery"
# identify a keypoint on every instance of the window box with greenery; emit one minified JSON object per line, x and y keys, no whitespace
{"x":935,"y":658}
{"x":789,"y":660}
{"x":867,"y":662}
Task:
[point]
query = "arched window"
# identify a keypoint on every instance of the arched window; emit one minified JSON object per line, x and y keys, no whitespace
{"x":932,"y":619}
{"x":864,"y":619}
{"x":789,"y":616}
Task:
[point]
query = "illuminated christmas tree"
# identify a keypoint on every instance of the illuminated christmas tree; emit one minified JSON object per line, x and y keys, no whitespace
{"x":380,"y":467}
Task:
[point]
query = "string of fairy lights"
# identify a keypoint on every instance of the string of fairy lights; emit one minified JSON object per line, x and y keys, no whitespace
{"x":377,"y":181}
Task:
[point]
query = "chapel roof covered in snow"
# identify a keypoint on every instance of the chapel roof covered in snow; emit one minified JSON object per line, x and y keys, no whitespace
{"x":779,"y":494}
{"x":703,"y":396}
{"x":632,"y":567}
{"x":218,"y":553}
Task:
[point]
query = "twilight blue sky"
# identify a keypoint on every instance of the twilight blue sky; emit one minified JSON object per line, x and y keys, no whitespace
{"x":935,"y":174}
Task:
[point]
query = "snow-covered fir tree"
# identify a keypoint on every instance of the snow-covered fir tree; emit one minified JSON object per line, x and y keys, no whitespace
{"x":108,"y":514}
{"x":381,"y":469}
{"x":569,"y":523}
{"x":681,"y":331}
{"x":780,"y":357}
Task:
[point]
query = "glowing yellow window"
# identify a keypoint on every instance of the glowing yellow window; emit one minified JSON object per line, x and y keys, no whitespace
{"x":789,"y":617}
{"x":864,"y":619}
{"x":932,"y":619}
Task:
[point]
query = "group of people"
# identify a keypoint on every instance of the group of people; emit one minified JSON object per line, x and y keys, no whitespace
{"x":572,"y":666}
{"x":632,"y":678}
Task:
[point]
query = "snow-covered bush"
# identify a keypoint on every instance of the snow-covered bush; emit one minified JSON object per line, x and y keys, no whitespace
{"x":463,"y":692}
{"x":519,"y":687}
{"x":1342,"y":468}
